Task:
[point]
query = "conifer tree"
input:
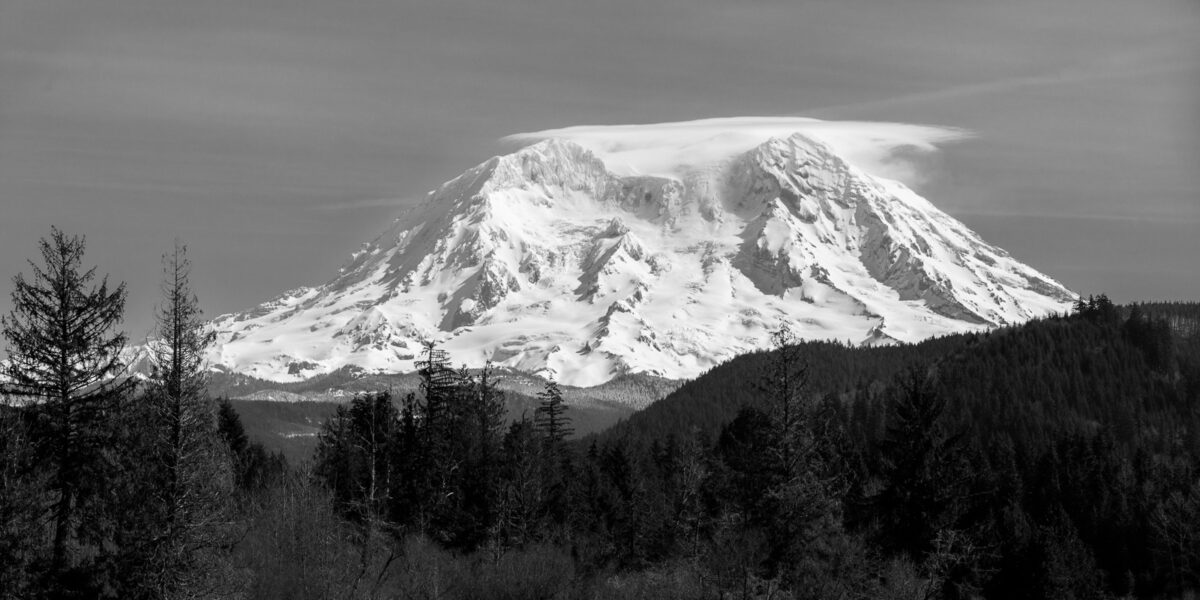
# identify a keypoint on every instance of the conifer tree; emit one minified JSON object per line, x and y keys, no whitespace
{"x":438,"y":384}
{"x":253,"y":467}
{"x":521,"y":497}
{"x":785,"y":385}
{"x":479,"y":483}
{"x":354,"y":456}
{"x":549,"y":418}
{"x":229,"y":425}
{"x":21,"y":501}
{"x":439,"y":453}
{"x":411,"y":480}
{"x":183,"y":336}
{"x":922,"y":468}
{"x":553,"y":427}
{"x":64,"y":357}
{"x":193,"y":469}
{"x":802,"y":512}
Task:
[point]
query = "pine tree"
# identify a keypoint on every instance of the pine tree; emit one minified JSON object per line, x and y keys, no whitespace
{"x":193,"y":469}
{"x":688,"y":478}
{"x":21,"y":501}
{"x":354,"y":456}
{"x":785,"y":384}
{"x":253,"y":467}
{"x":549,"y":418}
{"x":1175,"y":523}
{"x":439,"y":454}
{"x":229,"y":425}
{"x":411,"y":480}
{"x":922,"y":468}
{"x":553,"y":427}
{"x":438,"y":384}
{"x":64,"y":356}
{"x":183,"y":336}
{"x":801,"y":508}
{"x":479,"y":482}
{"x":521,"y":498}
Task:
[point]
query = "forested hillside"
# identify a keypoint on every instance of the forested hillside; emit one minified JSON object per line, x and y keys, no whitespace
{"x":713,"y":399}
{"x":1062,"y":453}
{"x":850,"y":372}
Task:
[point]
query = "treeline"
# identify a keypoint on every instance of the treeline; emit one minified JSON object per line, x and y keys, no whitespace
{"x":713,"y":399}
{"x":111,"y":487}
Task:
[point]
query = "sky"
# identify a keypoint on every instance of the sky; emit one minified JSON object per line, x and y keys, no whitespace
{"x":273,"y":137}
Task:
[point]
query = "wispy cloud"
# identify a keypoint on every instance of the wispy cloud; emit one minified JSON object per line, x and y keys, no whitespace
{"x":1140,"y":63}
{"x":365,"y":203}
{"x":1168,"y":219}
{"x":879,"y":148}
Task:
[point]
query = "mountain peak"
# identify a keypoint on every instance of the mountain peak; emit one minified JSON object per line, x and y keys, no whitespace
{"x":596,"y":258}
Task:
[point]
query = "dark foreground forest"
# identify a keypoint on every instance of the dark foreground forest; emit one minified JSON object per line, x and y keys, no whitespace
{"x":1058,"y":459}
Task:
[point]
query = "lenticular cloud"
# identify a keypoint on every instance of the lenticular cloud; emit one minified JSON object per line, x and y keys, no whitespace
{"x":671,"y":149}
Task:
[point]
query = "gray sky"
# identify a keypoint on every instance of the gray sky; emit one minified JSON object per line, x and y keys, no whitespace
{"x":275,"y":136}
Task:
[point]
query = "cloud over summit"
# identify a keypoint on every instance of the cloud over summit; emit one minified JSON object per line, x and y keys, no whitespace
{"x":880,"y":148}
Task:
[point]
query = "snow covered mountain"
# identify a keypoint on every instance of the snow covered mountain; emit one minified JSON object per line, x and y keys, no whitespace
{"x":595,"y":259}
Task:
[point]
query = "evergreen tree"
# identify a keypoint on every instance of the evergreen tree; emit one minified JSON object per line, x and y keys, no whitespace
{"x":438,"y":385}
{"x":521,"y":501}
{"x":785,"y":384}
{"x":1098,"y":309}
{"x":354,"y":456}
{"x":253,"y":467}
{"x":435,"y":457}
{"x":229,"y":426}
{"x":554,"y":427}
{"x":549,"y":418}
{"x":64,"y":356}
{"x":479,"y":432}
{"x":688,"y":476}
{"x":803,"y":505}
{"x":1175,"y":523}
{"x":922,"y":471}
{"x":22,"y":497}
{"x":412,"y":480}
{"x":193,"y":473}
{"x":744,"y":447}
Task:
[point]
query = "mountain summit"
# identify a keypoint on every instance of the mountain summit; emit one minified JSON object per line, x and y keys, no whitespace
{"x":553,"y":258}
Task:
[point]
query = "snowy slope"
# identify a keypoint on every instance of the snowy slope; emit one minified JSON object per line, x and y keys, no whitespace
{"x":593,"y":258}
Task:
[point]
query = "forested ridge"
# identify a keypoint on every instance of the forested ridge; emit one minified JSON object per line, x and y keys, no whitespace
{"x":1056,"y":459}
{"x":1066,"y":443}
{"x":713,"y":399}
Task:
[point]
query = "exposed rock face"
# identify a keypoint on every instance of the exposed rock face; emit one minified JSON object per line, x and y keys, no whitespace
{"x":545,"y":259}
